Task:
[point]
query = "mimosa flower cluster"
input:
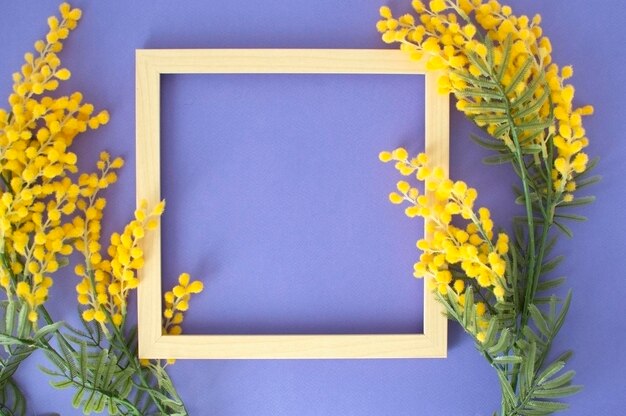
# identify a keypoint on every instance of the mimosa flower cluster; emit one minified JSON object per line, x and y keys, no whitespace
{"x":473,"y":41}
{"x":48,"y":209}
{"x":38,"y":195}
{"x":461,"y":249}
{"x":177,"y":302}
{"x":106,"y":283}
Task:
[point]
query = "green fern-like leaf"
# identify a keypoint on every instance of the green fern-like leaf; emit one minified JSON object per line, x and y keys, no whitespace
{"x":12,"y":400}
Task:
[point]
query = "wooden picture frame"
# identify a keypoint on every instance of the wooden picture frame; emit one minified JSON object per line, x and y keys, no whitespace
{"x":150,"y":64}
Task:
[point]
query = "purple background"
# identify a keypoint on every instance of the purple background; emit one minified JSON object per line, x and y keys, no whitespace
{"x":277,"y":172}
{"x":327,"y":252}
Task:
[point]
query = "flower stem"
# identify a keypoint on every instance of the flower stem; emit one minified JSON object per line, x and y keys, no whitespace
{"x":134,"y":362}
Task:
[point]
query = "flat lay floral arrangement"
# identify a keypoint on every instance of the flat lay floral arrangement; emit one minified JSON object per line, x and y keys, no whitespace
{"x":498,"y":286}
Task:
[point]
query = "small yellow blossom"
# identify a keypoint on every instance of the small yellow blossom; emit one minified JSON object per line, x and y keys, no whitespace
{"x":177,"y":301}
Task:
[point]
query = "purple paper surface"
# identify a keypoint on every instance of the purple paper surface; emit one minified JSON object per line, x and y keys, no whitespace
{"x":269,"y":181}
{"x":277,"y":201}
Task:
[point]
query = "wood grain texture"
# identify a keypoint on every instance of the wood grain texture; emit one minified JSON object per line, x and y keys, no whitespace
{"x":148,"y":188}
{"x":296,"y":346}
{"x":279,"y":61}
{"x":150,"y":64}
{"x":437,"y":147}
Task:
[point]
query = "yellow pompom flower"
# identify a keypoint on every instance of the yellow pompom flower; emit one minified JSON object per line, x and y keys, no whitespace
{"x":400,"y":154}
{"x":62,"y":74}
{"x":385,"y":12}
{"x":195,"y":287}
{"x":395,"y":198}
{"x":437,"y":6}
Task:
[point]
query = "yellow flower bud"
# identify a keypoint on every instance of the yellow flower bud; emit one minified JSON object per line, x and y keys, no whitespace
{"x":100,"y":316}
{"x":140,"y":215}
{"x":400,"y":154}
{"x":385,"y":12}
{"x":183,"y":279}
{"x":118,"y":319}
{"x":179,"y":291}
{"x":437,"y":6}
{"x":182,"y":306}
{"x":395,"y":198}
{"x":403,"y":186}
{"x":169,"y":297}
{"x":117,"y":163}
{"x":152,"y":224}
{"x":567,"y":72}
{"x":159,"y":208}
{"x":32,"y":316}
{"x":175,"y":330}
{"x":178,"y":318}
{"x":103,"y":117}
{"x":385,"y":156}
{"x":412,"y":211}
{"x":75,"y":14}
{"x":459,"y":285}
{"x":88,"y":315}
{"x":498,"y":291}
{"x":195,"y":287}
{"x":63,"y":74}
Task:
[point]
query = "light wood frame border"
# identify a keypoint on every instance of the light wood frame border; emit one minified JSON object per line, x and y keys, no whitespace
{"x":150,"y":64}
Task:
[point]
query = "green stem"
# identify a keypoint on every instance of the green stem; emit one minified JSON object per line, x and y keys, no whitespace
{"x":534,"y":274}
{"x":134,"y":362}
{"x":522,"y":172}
{"x":62,"y":338}
{"x":531,"y":250}
{"x":531,"y":280}
{"x":540,"y":255}
{"x":502,"y":378}
{"x":548,"y":220}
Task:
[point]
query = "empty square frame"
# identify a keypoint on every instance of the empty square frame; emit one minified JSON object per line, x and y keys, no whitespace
{"x":150,"y":64}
